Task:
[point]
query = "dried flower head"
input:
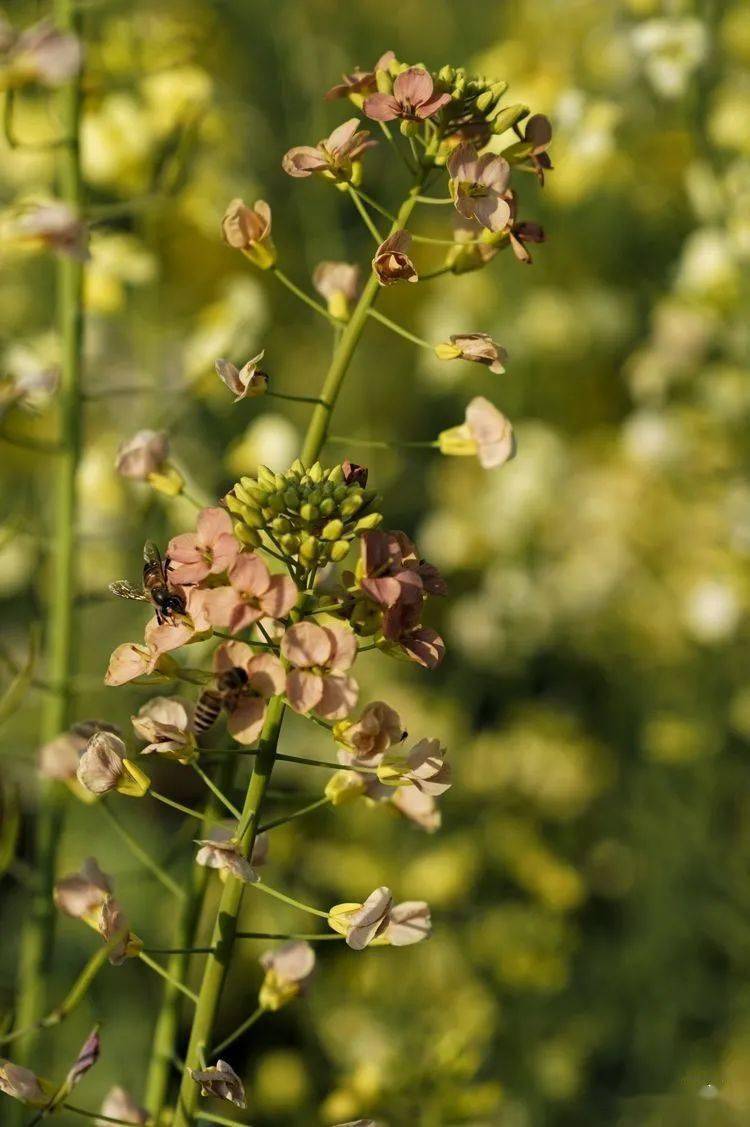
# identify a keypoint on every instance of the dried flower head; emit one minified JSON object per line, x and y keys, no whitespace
{"x":369,"y":738}
{"x":119,"y":1104}
{"x":87,"y":895}
{"x":246,"y":382}
{"x":288,"y":970}
{"x":104,"y":767}
{"x":477,"y":347}
{"x":360,"y":82}
{"x":210,"y":550}
{"x":361,"y":924}
{"x":486,"y":433}
{"x":334,"y":156}
{"x":478,"y":185}
{"x":166,"y":723}
{"x":220,"y":1080}
{"x":338,"y":283}
{"x":249,"y":229}
{"x":144,"y":454}
{"x":413,"y":98}
{"x":320,"y":656}
{"x":392,"y":263}
{"x":538,"y":134}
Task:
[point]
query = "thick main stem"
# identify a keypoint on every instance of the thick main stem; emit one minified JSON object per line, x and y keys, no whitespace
{"x":320,"y":421}
{"x":225,"y":928}
{"x":37,"y":938}
{"x":222,"y":940}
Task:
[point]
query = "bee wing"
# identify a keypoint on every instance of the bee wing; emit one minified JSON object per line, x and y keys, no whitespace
{"x":151,"y":555}
{"x":127,"y":590}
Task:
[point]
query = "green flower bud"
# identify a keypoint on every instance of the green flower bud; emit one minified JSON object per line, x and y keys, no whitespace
{"x":291,"y":498}
{"x":251,"y":517}
{"x":298,"y":468}
{"x":350,"y":506}
{"x":266,"y":477}
{"x":337,"y":474}
{"x":327,"y":506}
{"x":372,"y":520}
{"x":316,"y":472}
{"x":276,"y":503}
{"x":485,"y":101}
{"x":234,"y":504}
{"x":333,"y":530}
{"x":340,"y":492}
{"x":340,"y":550}
{"x":246,"y":535}
{"x":503,"y":118}
{"x":309,"y":512}
{"x":280,"y":482}
{"x":409,"y":128}
{"x":315,"y":496}
{"x":290,"y":543}
{"x":281,"y":525}
{"x":308,"y":549}
{"x":447,"y":74}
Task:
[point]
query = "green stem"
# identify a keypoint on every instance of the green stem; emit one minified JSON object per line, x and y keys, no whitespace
{"x":377,"y":444}
{"x":222,"y":939}
{"x":310,"y":301}
{"x":365,"y":215}
{"x":310,"y":937}
{"x":399,"y":330}
{"x":75,"y":995}
{"x":318,"y":428}
{"x":179,"y":806}
{"x":373,"y":204}
{"x":293,"y":398}
{"x":38,"y":935}
{"x":437,"y":273}
{"x":166,"y":975}
{"x":297,"y":813}
{"x":258,"y":1013}
{"x":168,"y":1021}
{"x":142,"y":854}
{"x":86,"y":1114}
{"x":282,"y":896}
{"x":433,"y":199}
{"x":217,"y":791}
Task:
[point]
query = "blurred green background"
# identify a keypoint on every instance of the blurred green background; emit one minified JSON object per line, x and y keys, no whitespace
{"x":589,"y":885}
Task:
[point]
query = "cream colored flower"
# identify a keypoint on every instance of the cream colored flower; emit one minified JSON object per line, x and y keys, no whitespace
{"x":143,"y":454}
{"x":104,"y":767}
{"x":249,"y":229}
{"x":362,"y":923}
{"x":486,"y":433}
{"x":366,"y":740}
{"x":166,"y":722}
{"x":288,"y":970}
{"x":21,"y":1084}
{"x":246,"y":382}
{"x":119,"y":1104}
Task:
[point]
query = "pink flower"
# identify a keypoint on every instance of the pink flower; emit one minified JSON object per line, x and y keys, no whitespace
{"x":333,"y":155}
{"x":486,"y":433}
{"x":249,"y":229}
{"x":245,"y":382}
{"x":254,"y":594}
{"x":478,"y":185}
{"x":392,"y":263}
{"x":263,"y":676}
{"x":318,"y":682}
{"x":360,"y":81}
{"x":210,"y":550}
{"x":143,"y":454}
{"x":413,"y":98}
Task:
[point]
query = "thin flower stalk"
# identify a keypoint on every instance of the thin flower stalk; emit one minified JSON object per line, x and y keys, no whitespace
{"x":38,"y":935}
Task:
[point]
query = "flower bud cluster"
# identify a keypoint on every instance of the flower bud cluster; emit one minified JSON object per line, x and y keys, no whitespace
{"x":312,"y":514}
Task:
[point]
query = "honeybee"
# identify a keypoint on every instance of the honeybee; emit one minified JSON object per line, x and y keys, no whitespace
{"x":155,"y":588}
{"x":229,"y":688}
